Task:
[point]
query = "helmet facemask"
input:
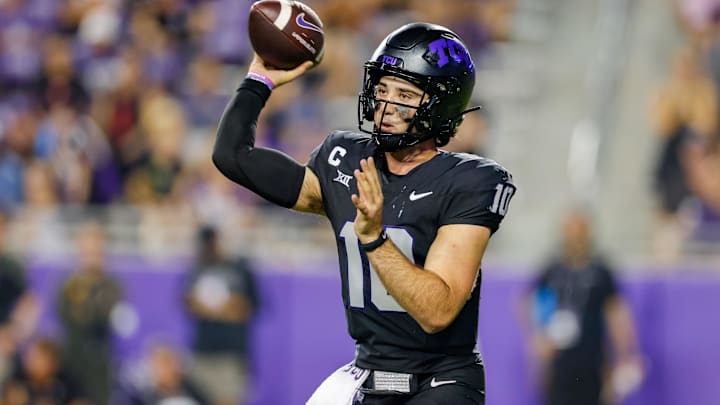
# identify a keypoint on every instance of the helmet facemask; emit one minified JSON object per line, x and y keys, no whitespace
{"x":419,"y":118}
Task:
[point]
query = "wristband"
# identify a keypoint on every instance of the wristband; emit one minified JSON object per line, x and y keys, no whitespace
{"x":370,"y":246}
{"x":262,"y":79}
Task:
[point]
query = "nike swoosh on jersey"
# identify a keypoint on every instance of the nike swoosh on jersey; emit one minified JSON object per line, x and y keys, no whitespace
{"x":434,"y":383}
{"x":415,"y":197}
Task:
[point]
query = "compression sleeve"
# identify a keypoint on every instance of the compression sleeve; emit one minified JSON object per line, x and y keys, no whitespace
{"x":269,"y":173}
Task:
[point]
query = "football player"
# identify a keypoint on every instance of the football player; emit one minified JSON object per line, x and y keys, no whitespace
{"x":411,"y":221}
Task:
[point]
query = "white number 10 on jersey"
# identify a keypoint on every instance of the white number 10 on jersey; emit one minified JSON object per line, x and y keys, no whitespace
{"x":355,"y":280}
{"x":503,"y":194}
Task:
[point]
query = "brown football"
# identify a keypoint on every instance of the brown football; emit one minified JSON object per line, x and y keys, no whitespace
{"x":285,"y":33}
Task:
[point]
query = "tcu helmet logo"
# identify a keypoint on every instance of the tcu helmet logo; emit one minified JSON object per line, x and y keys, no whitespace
{"x":391,"y":60}
{"x":445,"y":50}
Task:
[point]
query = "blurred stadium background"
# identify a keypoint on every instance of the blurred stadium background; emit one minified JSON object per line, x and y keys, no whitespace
{"x":108,"y":110}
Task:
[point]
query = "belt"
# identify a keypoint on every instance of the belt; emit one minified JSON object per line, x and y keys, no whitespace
{"x":390,"y":382}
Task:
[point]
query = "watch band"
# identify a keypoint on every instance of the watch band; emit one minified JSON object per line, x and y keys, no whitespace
{"x":370,"y":246}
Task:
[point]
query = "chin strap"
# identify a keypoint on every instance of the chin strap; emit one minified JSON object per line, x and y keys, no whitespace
{"x":471,"y":109}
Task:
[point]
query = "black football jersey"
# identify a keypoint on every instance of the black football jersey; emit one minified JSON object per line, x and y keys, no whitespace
{"x":451,"y":188}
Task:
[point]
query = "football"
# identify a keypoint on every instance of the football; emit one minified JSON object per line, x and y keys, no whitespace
{"x":285,"y":33}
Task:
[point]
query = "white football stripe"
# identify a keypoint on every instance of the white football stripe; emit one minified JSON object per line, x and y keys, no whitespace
{"x":285,"y":14}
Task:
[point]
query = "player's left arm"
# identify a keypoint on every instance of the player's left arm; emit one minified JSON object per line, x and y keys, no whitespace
{"x":435,"y":294}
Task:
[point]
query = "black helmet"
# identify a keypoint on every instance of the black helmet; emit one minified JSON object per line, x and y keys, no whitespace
{"x":434,"y":59}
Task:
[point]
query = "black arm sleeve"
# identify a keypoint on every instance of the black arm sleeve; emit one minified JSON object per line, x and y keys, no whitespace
{"x":268,"y":173}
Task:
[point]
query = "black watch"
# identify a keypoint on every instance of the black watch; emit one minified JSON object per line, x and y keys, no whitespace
{"x":370,"y":246}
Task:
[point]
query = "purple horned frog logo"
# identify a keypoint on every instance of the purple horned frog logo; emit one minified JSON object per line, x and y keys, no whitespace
{"x":447,"y":50}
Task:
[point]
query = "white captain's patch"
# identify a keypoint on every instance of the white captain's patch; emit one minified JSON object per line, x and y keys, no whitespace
{"x":335,"y":155}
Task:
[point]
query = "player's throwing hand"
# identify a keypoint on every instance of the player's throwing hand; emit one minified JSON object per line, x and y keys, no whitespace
{"x":278,"y":77}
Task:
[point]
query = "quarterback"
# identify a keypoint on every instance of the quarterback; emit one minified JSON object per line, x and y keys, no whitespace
{"x":411,"y":220}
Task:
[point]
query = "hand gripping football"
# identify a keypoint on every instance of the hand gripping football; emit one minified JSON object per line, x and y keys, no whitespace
{"x":285,"y":33}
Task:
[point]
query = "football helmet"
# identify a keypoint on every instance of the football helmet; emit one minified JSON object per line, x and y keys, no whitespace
{"x":434,"y":59}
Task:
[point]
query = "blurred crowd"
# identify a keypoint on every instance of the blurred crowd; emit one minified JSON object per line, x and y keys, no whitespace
{"x":78,"y":364}
{"x":685,"y":112}
{"x":113,"y":103}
